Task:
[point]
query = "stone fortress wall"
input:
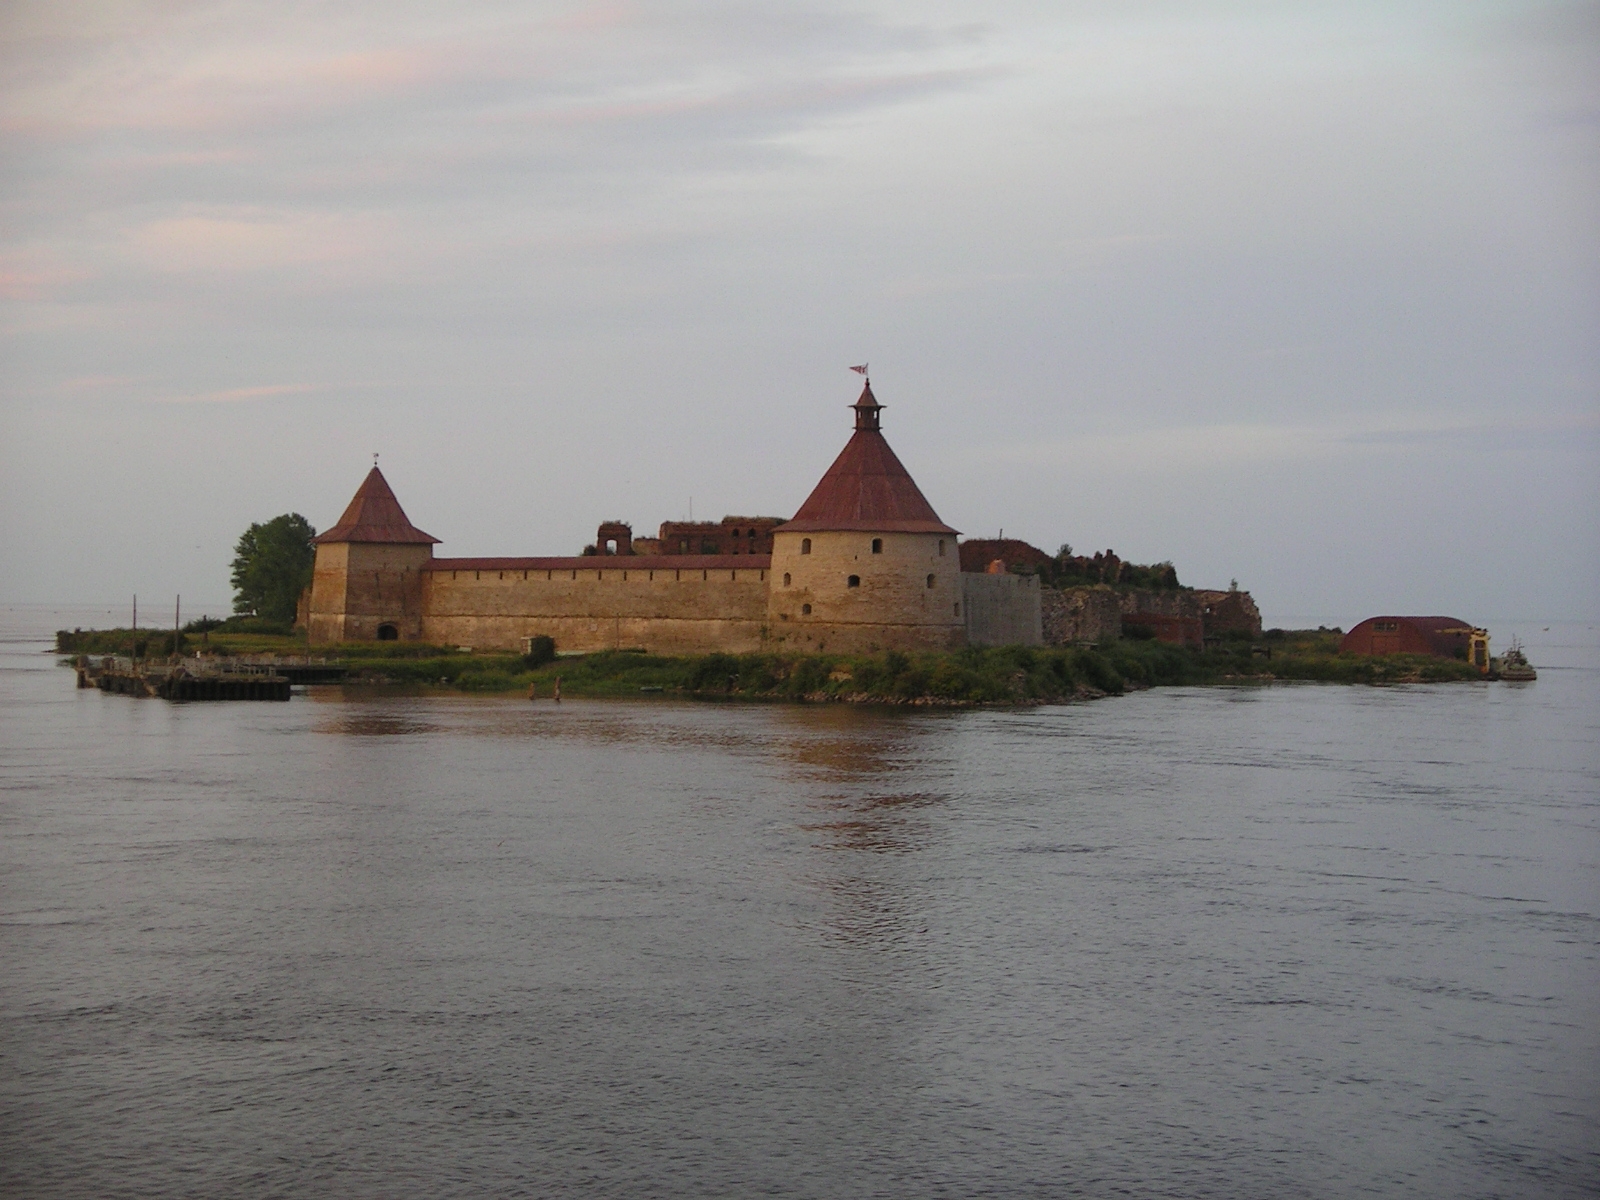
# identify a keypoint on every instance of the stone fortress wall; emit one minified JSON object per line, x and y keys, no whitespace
{"x":864,"y":565}
{"x":667,"y":605}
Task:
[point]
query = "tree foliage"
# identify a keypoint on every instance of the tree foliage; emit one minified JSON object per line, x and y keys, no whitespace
{"x":272,"y":566}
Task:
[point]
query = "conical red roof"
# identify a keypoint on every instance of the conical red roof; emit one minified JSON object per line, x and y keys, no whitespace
{"x":867,"y":489}
{"x":374,"y":516}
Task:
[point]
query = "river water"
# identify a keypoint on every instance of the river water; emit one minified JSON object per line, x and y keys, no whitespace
{"x":1280,"y":941}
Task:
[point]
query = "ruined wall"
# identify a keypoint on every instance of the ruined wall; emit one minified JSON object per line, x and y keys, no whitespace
{"x":731,"y":535}
{"x":1232,"y":611}
{"x":1080,"y":615}
{"x":1137,"y":601}
{"x":358,"y":587}
{"x":908,"y":595}
{"x":978,"y":553}
{"x":1167,"y":616}
{"x":1001,"y":610}
{"x":677,"y":605}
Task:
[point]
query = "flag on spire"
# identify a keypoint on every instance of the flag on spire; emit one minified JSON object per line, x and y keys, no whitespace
{"x":861,"y":370}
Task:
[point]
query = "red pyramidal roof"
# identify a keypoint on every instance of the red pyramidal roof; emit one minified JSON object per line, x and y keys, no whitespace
{"x":867,"y":488}
{"x":374,"y":515}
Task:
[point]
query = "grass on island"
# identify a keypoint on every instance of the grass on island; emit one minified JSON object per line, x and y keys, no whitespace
{"x":996,"y":675}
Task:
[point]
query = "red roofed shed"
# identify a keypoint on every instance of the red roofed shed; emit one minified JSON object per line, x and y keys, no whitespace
{"x":1443,"y":637}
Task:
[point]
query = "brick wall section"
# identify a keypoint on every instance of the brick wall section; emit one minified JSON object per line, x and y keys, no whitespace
{"x":1081,"y":616}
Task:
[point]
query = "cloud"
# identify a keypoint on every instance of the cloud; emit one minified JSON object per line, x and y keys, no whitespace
{"x":256,"y":241}
{"x":1177,"y":447}
{"x":243,"y":394}
{"x":36,"y":283}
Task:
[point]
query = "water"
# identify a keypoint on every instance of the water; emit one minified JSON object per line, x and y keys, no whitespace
{"x":1265,"y":942}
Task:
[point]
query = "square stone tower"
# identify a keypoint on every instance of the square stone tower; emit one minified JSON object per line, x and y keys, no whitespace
{"x":367,"y":581}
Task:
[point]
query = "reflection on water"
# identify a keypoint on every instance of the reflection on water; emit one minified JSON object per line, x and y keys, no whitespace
{"x":1270,"y":942}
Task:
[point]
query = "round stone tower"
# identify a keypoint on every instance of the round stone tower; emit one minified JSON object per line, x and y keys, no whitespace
{"x":866,"y":564}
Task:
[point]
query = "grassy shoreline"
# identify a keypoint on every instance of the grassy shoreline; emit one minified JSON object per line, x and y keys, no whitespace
{"x":961,"y":678}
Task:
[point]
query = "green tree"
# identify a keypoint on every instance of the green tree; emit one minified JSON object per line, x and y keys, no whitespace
{"x":272,"y":566}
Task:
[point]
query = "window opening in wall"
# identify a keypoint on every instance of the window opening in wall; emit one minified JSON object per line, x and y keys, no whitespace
{"x":805,"y":610}
{"x":877,"y":545}
{"x":930,"y":580}
{"x":941,"y":547}
{"x":958,"y":610}
{"x":853,"y":581}
{"x":388,"y":633}
{"x":805,"y":545}
{"x":477,"y":574}
{"x":786,"y":579}
{"x":611,"y":545}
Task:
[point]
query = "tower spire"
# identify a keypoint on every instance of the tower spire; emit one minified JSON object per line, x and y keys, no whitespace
{"x":867,"y":409}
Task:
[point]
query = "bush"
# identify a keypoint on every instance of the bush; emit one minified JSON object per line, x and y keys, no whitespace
{"x":714,"y":673}
{"x":807,"y":676}
{"x":256,"y":625}
{"x":541,"y":650}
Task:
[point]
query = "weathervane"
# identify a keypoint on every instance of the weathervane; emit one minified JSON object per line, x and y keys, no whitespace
{"x":861,"y":370}
{"x":374,"y":459}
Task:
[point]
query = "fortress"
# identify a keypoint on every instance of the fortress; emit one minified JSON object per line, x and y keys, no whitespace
{"x":864,"y":565}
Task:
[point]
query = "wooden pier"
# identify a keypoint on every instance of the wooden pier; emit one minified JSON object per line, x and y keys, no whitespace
{"x":203,"y":677}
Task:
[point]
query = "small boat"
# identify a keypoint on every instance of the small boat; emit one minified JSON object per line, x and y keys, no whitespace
{"x":1513,"y":665}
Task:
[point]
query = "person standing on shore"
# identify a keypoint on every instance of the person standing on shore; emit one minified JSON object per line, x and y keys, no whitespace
{"x":558,"y":689}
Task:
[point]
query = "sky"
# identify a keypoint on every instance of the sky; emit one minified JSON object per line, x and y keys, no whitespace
{"x":1305,"y":295}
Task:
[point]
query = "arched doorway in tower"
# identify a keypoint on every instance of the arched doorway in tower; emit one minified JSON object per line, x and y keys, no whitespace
{"x":388,"y":633}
